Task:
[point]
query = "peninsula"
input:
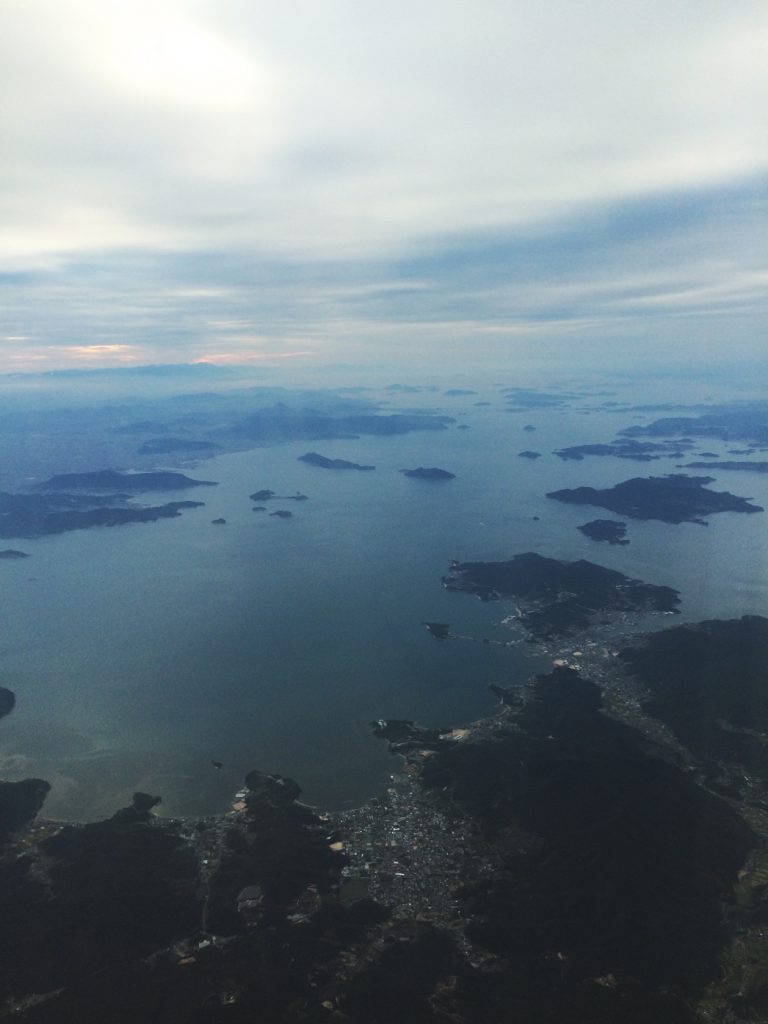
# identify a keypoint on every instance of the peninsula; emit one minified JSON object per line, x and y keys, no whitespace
{"x":41,"y":515}
{"x":558,"y":597}
{"x":7,"y":701}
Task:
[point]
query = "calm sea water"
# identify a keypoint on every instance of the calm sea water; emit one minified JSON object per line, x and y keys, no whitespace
{"x":140,"y":654}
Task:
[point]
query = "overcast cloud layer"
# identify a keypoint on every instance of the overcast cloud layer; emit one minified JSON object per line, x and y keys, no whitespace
{"x":329,"y":180}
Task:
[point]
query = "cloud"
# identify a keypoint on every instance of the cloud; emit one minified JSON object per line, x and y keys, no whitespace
{"x":90,"y":351}
{"x":313,"y":128}
{"x":608,"y":269}
{"x":295,"y":168}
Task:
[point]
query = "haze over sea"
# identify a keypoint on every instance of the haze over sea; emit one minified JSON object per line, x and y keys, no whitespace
{"x":140,"y":654}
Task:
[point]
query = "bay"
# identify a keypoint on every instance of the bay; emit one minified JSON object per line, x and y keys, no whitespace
{"x":141,"y":654}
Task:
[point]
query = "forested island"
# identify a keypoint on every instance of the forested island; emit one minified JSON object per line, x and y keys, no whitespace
{"x":432,"y":473}
{"x":166,"y":445}
{"x":313,"y":459}
{"x":676,"y":498}
{"x":626,"y":448}
{"x":741,"y":467}
{"x":288,"y":425}
{"x":110,"y":480}
{"x":747,"y":421}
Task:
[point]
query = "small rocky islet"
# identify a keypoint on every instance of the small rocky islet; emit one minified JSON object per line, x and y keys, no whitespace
{"x":610,"y":530}
{"x":267,"y":495}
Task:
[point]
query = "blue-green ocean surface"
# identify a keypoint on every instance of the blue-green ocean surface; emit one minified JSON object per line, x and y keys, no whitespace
{"x":139,"y":654}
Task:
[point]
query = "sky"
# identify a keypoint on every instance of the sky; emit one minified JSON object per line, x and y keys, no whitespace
{"x":325,"y":181}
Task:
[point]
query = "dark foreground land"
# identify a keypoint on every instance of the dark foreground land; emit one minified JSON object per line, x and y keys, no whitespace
{"x":551,"y":863}
{"x":709,"y":684}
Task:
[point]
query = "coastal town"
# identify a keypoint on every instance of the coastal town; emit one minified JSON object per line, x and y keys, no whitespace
{"x":407,"y":851}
